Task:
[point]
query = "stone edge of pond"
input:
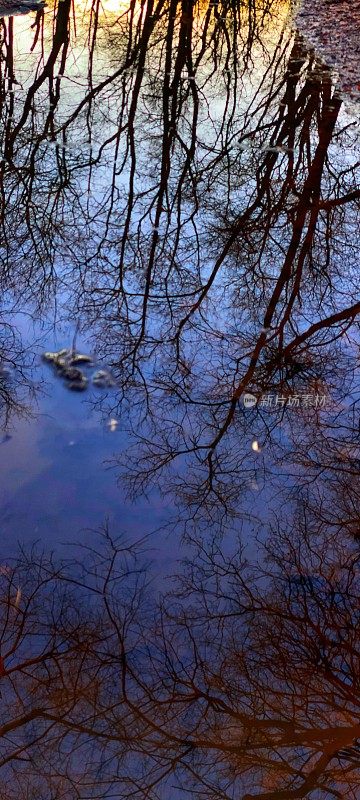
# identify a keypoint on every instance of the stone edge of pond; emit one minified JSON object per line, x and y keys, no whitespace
{"x":336,"y":38}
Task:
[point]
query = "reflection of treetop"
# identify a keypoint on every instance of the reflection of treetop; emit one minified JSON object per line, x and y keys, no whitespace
{"x":193,"y":191}
{"x":242,"y":681}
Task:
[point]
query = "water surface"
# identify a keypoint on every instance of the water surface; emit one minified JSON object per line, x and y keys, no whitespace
{"x":180,"y":202}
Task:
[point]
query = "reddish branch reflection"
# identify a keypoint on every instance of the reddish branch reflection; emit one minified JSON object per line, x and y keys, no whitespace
{"x":243,"y":680}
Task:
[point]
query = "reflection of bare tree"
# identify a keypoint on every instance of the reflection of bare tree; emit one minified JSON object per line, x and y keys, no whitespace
{"x":243,"y":681}
{"x":193,"y":210}
{"x":53,"y":650}
{"x":270,"y":691}
{"x":18,"y":386}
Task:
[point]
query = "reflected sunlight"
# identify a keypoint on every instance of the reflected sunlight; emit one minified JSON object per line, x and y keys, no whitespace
{"x":113,"y":7}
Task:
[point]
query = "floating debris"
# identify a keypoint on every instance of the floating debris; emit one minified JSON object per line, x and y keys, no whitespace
{"x":67,"y":362}
{"x":255,"y":446}
{"x":78,"y":385}
{"x":72,"y":374}
{"x":81,"y":358}
{"x":77,"y":380}
{"x":49,"y":357}
{"x":103,"y":379}
{"x":61,"y":363}
{"x":59,"y":359}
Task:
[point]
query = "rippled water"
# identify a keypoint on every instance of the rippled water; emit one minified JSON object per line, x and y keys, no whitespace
{"x":179,"y":202}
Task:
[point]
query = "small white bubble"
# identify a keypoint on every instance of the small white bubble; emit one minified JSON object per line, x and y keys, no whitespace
{"x":113,"y":424}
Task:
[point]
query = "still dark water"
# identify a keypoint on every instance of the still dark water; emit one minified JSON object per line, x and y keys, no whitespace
{"x":179,"y":394}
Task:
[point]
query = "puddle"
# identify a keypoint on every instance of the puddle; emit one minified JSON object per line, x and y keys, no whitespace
{"x":180,"y":532}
